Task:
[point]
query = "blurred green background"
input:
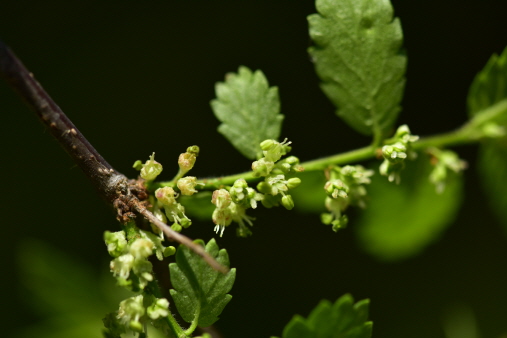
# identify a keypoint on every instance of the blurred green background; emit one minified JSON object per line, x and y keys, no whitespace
{"x":137,"y":77}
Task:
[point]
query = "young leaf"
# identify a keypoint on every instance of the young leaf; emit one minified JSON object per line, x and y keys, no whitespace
{"x":401,"y":220}
{"x":343,"y":319}
{"x":490,"y":84}
{"x":358,"y":58}
{"x":488,"y":88}
{"x":249,"y":110}
{"x":200,"y":292}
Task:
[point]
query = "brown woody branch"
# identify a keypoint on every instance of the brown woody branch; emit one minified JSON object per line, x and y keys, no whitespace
{"x":111,"y":185}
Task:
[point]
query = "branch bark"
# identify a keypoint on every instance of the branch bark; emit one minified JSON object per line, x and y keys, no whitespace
{"x":110,"y":184}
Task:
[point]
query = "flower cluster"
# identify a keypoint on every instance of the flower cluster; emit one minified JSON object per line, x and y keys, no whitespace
{"x":231,"y":206}
{"x":134,"y":313}
{"x":232,"y":202}
{"x":396,"y":152}
{"x":275,"y":171}
{"x":443,"y":161}
{"x":345,"y":187}
{"x":132,"y":256}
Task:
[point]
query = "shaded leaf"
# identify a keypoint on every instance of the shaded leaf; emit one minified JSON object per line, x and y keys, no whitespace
{"x":401,"y":220}
{"x":488,"y":88}
{"x":249,"y":110}
{"x":343,"y":319}
{"x":489,"y":85}
{"x":199,"y":205}
{"x":66,"y":293}
{"x":310,"y":195}
{"x":493,"y":169}
{"x":200,"y":292}
{"x":358,"y":57}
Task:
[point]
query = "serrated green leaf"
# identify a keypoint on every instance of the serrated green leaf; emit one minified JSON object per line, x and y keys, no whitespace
{"x":489,"y":88}
{"x":343,"y":319}
{"x":401,"y":220}
{"x":249,"y":110}
{"x":200,"y":292}
{"x":490,"y":84}
{"x":358,"y":57}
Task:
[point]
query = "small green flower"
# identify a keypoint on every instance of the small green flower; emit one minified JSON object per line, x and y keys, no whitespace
{"x":186,"y":161}
{"x":221,"y":198}
{"x":158,"y":309}
{"x":116,"y":242}
{"x":130,"y":312}
{"x":187,"y":185}
{"x":151,"y":169}
{"x":122,"y":265}
{"x":262,"y":167}
{"x":274,"y":150}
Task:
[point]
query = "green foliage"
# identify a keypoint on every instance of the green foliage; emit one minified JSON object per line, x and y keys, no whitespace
{"x":200,"y":293}
{"x":309,"y":195}
{"x":198,"y":205}
{"x":249,"y":110}
{"x":401,"y":221}
{"x":488,"y":88}
{"x":343,"y":319}
{"x":65,"y":292}
{"x":357,"y":57}
{"x":490,"y":84}
{"x":493,"y":168}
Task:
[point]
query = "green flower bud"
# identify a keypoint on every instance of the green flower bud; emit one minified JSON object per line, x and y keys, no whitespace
{"x":159,"y":309}
{"x":404,"y":136}
{"x":187,"y":185}
{"x":141,"y":248}
{"x":151,"y":169}
{"x":176,"y":227}
{"x":186,"y":161}
{"x":185,"y":222}
{"x":135,"y":326}
{"x":193,"y":150}
{"x":169,"y":251}
{"x":288,"y":202}
{"x":221,"y":198}
{"x":293,"y":182}
{"x":116,"y":242}
{"x":166,"y":196}
{"x":138,"y":165}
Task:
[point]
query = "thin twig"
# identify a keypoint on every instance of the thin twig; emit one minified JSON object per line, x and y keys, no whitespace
{"x":110,"y":184}
{"x":170,"y":233}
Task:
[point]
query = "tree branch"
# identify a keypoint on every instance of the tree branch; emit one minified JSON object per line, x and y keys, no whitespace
{"x":110,"y":184}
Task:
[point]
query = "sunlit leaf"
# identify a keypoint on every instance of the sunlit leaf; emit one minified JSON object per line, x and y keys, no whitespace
{"x":358,"y":57}
{"x":200,"y":292}
{"x":249,"y":110}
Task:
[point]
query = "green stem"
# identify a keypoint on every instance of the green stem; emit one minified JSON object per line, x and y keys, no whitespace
{"x":174,"y":326}
{"x":193,"y":325}
{"x":471,"y":132}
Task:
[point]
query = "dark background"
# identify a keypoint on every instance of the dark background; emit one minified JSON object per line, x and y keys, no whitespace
{"x":137,"y":77}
